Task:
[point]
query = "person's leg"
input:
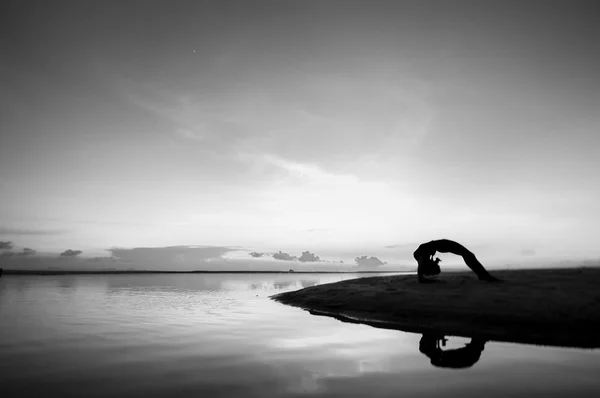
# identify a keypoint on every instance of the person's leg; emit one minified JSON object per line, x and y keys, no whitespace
{"x":478,"y":268}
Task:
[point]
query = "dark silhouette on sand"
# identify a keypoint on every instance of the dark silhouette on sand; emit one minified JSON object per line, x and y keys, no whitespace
{"x":459,"y":358}
{"x":428,"y":266}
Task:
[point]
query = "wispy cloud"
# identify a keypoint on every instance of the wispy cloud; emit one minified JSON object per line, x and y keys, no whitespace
{"x":189,"y":134}
{"x":6,"y":254}
{"x":27,"y":252}
{"x":169,"y":256}
{"x":402,"y":246}
{"x":322,"y":118}
{"x":27,"y":231}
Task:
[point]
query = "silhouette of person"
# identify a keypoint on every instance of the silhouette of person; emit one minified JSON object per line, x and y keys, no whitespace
{"x":459,"y":358}
{"x":427,"y":266}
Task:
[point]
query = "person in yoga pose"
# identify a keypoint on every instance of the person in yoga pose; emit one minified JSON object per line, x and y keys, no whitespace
{"x":428,"y":266}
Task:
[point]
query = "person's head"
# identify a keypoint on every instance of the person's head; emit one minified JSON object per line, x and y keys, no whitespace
{"x":429,"y":266}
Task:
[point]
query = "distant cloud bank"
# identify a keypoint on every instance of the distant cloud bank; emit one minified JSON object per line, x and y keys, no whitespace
{"x":177,"y":258}
{"x":284,"y":256}
{"x":368,"y":261}
{"x":27,"y":252}
{"x":70,"y":253}
{"x":169,"y":255}
{"x":25,"y":232}
{"x":308,"y":257}
{"x":6,"y":245}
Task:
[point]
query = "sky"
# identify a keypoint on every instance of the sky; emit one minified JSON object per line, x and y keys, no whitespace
{"x":340,"y":127}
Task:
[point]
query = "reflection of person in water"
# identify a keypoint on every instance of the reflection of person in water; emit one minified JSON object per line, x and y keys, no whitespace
{"x":428,"y":266}
{"x":459,"y":358}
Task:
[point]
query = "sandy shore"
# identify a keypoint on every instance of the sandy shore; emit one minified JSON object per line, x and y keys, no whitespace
{"x":548,"y":307}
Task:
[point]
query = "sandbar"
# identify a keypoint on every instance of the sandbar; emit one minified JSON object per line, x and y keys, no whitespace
{"x":558,"y":307}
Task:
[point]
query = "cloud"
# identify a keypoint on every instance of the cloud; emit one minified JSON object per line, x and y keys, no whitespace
{"x":101,"y":259}
{"x":172,"y":255}
{"x":174,"y":258}
{"x":24,"y":231}
{"x":361,"y":114}
{"x":284,"y":256}
{"x":6,"y":245}
{"x":370,"y":261}
{"x":27,"y":252}
{"x":70,"y":253}
{"x":308,"y":257}
{"x":402,"y":246}
{"x":7,"y":254}
{"x":256,"y":254}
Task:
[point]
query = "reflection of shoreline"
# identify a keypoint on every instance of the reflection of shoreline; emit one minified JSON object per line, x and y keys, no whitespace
{"x":420,"y":329}
{"x":459,"y":358}
{"x":430,"y":344}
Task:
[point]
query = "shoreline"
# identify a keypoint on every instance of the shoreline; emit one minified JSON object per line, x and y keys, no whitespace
{"x":556,"y":307}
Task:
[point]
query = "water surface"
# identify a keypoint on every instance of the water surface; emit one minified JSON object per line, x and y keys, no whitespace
{"x":219,"y":335}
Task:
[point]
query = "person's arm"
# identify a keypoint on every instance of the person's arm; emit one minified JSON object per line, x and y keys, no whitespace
{"x":420,"y":256}
{"x":420,"y":274}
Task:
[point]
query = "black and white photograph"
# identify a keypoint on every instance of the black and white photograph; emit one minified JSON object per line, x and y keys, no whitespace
{"x":299,"y":198}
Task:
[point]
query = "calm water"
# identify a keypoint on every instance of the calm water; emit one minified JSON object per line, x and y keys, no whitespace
{"x":221,"y":336}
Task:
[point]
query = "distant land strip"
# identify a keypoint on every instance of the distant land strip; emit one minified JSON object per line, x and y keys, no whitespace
{"x":125,"y":272}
